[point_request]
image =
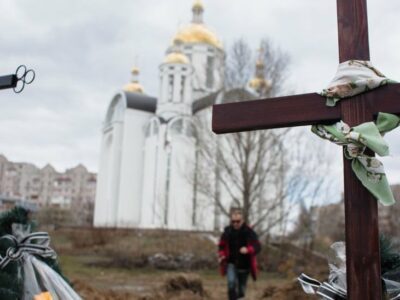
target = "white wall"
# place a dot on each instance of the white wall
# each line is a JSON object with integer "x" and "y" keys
{"x": 150, "y": 176}
{"x": 110, "y": 162}
{"x": 181, "y": 188}
{"x": 198, "y": 54}
{"x": 132, "y": 167}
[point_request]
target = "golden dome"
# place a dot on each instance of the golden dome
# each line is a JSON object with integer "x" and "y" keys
{"x": 260, "y": 84}
{"x": 198, "y": 33}
{"x": 134, "y": 87}
{"x": 176, "y": 58}
{"x": 259, "y": 63}
{"x": 198, "y": 4}
{"x": 135, "y": 71}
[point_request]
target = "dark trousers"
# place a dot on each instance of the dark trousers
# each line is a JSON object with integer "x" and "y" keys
{"x": 237, "y": 281}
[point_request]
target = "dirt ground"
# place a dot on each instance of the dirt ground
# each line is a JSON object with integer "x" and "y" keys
{"x": 94, "y": 283}
{"x": 108, "y": 265}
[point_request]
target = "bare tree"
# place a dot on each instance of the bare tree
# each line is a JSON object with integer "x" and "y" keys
{"x": 261, "y": 172}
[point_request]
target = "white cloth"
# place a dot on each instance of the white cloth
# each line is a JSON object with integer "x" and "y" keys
{"x": 353, "y": 77}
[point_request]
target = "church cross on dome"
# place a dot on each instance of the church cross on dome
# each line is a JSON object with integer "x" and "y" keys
{"x": 134, "y": 86}
{"x": 198, "y": 10}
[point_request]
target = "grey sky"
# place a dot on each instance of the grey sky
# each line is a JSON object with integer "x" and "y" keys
{"x": 83, "y": 51}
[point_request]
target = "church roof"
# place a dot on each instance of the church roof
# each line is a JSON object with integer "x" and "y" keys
{"x": 198, "y": 33}
{"x": 205, "y": 102}
{"x": 141, "y": 102}
{"x": 220, "y": 97}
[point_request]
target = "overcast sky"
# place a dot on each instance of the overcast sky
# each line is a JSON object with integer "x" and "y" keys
{"x": 82, "y": 52}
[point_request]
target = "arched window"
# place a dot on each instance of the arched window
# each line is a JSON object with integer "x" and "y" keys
{"x": 210, "y": 72}
{"x": 115, "y": 111}
{"x": 153, "y": 127}
{"x": 176, "y": 127}
{"x": 181, "y": 126}
{"x": 170, "y": 87}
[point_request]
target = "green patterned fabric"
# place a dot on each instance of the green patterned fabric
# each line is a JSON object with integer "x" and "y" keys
{"x": 369, "y": 170}
{"x": 355, "y": 77}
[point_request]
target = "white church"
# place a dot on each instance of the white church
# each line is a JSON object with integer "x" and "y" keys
{"x": 148, "y": 151}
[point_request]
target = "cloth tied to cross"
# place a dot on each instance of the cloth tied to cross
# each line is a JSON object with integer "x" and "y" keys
{"x": 36, "y": 243}
{"x": 355, "y": 77}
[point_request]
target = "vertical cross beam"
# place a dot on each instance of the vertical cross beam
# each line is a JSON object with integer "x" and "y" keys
{"x": 362, "y": 231}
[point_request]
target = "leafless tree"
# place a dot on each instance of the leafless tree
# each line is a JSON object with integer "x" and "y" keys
{"x": 261, "y": 172}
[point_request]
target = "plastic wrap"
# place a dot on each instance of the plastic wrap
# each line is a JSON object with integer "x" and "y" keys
{"x": 336, "y": 286}
{"x": 40, "y": 278}
{"x": 337, "y": 266}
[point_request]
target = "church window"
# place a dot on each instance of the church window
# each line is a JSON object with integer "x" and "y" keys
{"x": 189, "y": 129}
{"x": 176, "y": 127}
{"x": 170, "y": 87}
{"x": 183, "y": 78}
{"x": 210, "y": 72}
{"x": 152, "y": 127}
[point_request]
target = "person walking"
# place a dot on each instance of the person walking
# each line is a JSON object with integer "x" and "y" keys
{"x": 237, "y": 250}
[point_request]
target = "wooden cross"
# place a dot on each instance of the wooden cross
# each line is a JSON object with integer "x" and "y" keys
{"x": 361, "y": 212}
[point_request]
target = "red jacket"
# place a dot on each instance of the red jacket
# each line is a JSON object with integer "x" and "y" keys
{"x": 253, "y": 247}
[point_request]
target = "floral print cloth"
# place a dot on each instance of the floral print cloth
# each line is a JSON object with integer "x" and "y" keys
{"x": 369, "y": 170}
{"x": 355, "y": 77}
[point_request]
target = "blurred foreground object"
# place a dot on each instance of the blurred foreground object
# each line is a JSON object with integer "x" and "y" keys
{"x": 28, "y": 266}
{"x": 336, "y": 287}
{"x": 18, "y": 80}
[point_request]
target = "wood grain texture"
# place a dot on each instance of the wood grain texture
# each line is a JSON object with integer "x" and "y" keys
{"x": 361, "y": 211}
{"x": 273, "y": 113}
{"x": 298, "y": 110}
{"x": 384, "y": 99}
{"x": 353, "y": 30}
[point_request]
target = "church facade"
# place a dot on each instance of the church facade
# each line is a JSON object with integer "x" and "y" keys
{"x": 148, "y": 152}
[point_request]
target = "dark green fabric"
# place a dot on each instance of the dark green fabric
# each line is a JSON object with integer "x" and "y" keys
{"x": 11, "y": 285}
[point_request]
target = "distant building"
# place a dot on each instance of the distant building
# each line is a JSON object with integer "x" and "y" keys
{"x": 45, "y": 187}
{"x": 144, "y": 174}
{"x": 149, "y": 160}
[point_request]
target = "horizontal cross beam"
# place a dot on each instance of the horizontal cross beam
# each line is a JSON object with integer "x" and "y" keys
{"x": 297, "y": 110}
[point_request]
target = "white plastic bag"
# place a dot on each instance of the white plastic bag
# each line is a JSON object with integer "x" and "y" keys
{"x": 38, "y": 278}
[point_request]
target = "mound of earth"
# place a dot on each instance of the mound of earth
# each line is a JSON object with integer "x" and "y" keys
{"x": 287, "y": 291}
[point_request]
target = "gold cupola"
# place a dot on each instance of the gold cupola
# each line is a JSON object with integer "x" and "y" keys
{"x": 259, "y": 83}
{"x": 196, "y": 31}
{"x": 198, "y": 5}
{"x": 134, "y": 86}
{"x": 175, "y": 54}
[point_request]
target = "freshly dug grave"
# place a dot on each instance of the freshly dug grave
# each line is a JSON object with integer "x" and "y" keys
{"x": 176, "y": 287}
